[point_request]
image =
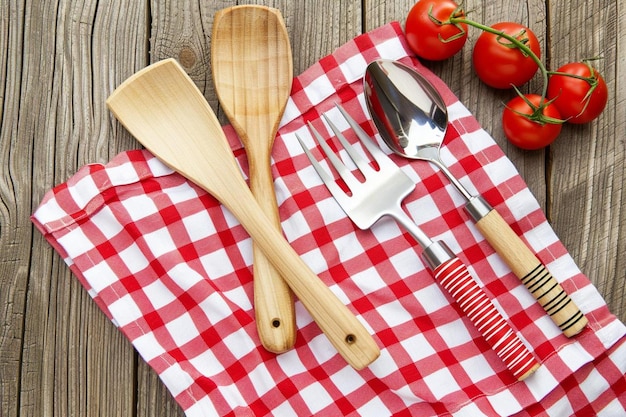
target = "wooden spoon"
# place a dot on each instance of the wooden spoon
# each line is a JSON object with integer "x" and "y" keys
{"x": 252, "y": 71}
{"x": 162, "y": 107}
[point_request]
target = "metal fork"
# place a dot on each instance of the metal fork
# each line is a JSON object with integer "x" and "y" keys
{"x": 381, "y": 194}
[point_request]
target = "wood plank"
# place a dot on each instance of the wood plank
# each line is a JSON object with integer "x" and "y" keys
{"x": 15, "y": 233}
{"x": 72, "y": 357}
{"x": 587, "y": 164}
{"x": 317, "y": 28}
{"x": 152, "y": 397}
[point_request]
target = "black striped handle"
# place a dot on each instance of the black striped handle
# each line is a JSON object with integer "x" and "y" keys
{"x": 525, "y": 265}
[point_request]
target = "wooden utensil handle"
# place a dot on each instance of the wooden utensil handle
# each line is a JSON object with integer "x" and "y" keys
{"x": 343, "y": 329}
{"x": 525, "y": 265}
{"x": 273, "y": 299}
{"x": 273, "y": 306}
{"x": 456, "y": 279}
{"x": 163, "y": 108}
{"x": 252, "y": 69}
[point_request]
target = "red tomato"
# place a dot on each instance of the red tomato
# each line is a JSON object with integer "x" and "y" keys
{"x": 525, "y": 133}
{"x": 571, "y": 94}
{"x": 498, "y": 63}
{"x": 431, "y": 40}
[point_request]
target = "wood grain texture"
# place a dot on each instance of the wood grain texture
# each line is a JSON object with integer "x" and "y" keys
{"x": 164, "y": 95}
{"x": 588, "y": 163}
{"x": 60, "y": 59}
{"x": 252, "y": 72}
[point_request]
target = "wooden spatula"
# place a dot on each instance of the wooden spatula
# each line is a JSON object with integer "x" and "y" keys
{"x": 162, "y": 107}
{"x": 252, "y": 72}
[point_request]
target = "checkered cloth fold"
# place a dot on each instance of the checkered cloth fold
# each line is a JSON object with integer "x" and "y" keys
{"x": 173, "y": 270}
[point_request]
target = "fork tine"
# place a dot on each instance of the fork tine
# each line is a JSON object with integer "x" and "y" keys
{"x": 380, "y": 157}
{"x": 342, "y": 170}
{"x": 360, "y": 162}
{"x": 327, "y": 179}
{"x": 320, "y": 170}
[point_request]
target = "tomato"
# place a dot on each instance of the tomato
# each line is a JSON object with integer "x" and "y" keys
{"x": 525, "y": 133}
{"x": 571, "y": 94}
{"x": 498, "y": 63}
{"x": 432, "y": 40}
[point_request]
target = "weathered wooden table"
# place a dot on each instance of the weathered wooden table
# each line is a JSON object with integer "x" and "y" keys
{"x": 60, "y": 59}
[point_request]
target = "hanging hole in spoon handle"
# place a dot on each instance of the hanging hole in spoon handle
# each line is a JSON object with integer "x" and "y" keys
{"x": 533, "y": 274}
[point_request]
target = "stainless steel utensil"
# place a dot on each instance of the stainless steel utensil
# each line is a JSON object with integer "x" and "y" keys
{"x": 381, "y": 194}
{"x": 412, "y": 119}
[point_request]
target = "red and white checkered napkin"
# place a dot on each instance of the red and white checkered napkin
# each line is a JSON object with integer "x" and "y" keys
{"x": 172, "y": 268}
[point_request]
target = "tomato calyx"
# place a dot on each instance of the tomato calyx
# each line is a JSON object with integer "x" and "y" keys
{"x": 521, "y": 36}
{"x": 429, "y": 32}
{"x": 527, "y": 134}
{"x": 537, "y": 115}
{"x": 456, "y": 13}
{"x": 592, "y": 80}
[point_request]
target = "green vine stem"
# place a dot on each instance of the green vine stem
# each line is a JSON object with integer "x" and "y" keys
{"x": 458, "y": 17}
{"x": 592, "y": 79}
{"x": 537, "y": 115}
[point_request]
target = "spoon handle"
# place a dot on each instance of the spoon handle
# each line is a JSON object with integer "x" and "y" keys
{"x": 533, "y": 274}
{"x": 273, "y": 300}
{"x": 338, "y": 323}
{"x": 252, "y": 71}
{"x": 456, "y": 279}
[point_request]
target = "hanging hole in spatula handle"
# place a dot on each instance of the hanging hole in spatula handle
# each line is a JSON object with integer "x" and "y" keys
{"x": 533, "y": 274}
{"x": 456, "y": 279}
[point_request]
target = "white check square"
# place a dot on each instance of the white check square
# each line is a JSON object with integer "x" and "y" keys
{"x": 182, "y": 329}
{"x": 160, "y": 242}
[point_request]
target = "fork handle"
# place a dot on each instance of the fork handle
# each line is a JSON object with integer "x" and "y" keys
{"x": 456, "y": 279}
{"x": 533, "y": 274}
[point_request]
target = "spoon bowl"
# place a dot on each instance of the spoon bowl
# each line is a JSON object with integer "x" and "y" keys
{"x": 412, "y": 120}
{"x": 408, "y": 111}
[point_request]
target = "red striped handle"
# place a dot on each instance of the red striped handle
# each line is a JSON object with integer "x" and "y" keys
{"x": 456, "y": 279}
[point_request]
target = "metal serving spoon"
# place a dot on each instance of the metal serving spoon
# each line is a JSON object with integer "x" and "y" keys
{"x": 162, "y": 107}
{"x": 252, "y": 72}
{"x": 412, "y": 119}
